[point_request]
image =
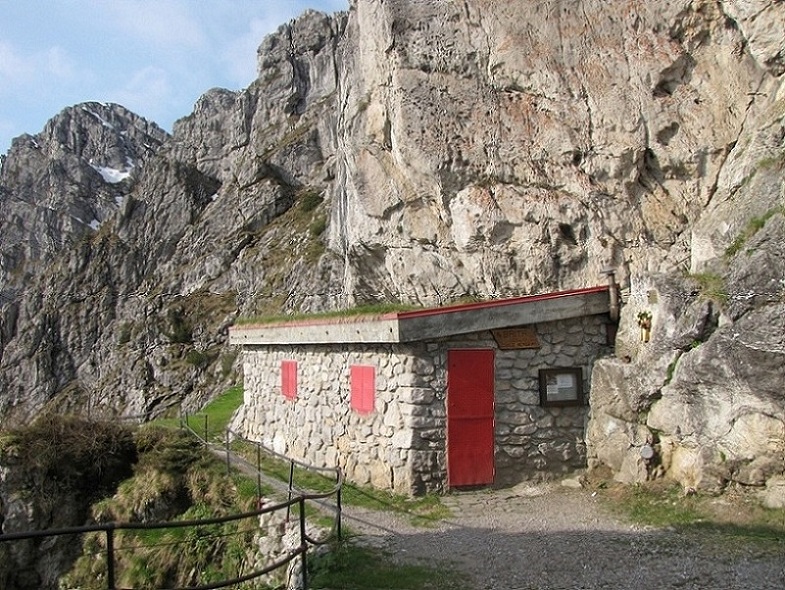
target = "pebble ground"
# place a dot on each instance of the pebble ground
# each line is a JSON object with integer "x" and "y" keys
{"x": 547, "y": 536}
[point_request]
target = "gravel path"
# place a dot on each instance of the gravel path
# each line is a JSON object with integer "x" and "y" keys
{"x": 548, "y": 536}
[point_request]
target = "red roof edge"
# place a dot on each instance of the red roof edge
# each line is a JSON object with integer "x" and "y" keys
{"x": 499, "y": 302}
{"x": 402, "y": 315}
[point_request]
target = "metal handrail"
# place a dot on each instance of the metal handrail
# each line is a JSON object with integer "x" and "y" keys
{"x": 110, "y": 527}
{"x": 337, "y": 490}
{"x": 299, "y": 499}
{"x": 339, "y": 476}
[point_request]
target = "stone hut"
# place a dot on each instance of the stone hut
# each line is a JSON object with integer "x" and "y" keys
{"x": 485, "y": 393}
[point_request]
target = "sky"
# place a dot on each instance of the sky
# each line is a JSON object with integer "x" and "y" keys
{"x": 155, "y": 57}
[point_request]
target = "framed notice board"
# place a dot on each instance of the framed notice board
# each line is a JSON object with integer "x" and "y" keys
{"x": 561, "y": 386}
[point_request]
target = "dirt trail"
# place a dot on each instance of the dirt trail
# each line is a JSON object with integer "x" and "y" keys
{"x": 549, "y": 536}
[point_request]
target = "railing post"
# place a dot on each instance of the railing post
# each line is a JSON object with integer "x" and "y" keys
{"x": 291, "y": 485}
{"x": 205, "y": 428}
{"x": 303, "y": 543}
{"x": 258, "y": 471}
{"x": 110, "y": 557}
{"x": 338, "y": 506}
{"x": 228, "y": 456}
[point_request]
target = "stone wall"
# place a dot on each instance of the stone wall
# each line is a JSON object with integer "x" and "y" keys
{"x": 320, "y": 427}
{"x": 401, "y": 444}
{"x": 533, "y": 441}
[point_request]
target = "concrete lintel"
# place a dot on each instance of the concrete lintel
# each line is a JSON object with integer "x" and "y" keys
{"x": 373, "y": 331}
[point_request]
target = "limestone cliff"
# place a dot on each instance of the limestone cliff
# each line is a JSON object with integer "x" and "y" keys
{"x": 422, "y": 151}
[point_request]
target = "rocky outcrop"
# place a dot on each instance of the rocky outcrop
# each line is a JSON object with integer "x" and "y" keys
{"x": 66, "y": 181}
{"x": 50, "y": 474}
{"x": 417, "y": 151}
{"x": 705, "y": 393}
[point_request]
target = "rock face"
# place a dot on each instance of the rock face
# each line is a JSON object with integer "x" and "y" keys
{"x": 421, "y": 151}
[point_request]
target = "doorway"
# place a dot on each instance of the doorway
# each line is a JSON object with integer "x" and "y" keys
{"x": 470, "y": 417}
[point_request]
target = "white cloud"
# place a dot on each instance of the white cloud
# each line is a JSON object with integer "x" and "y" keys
{"x": 239, "y": 55}
{"x": 7, "y": 128}
{"x": 60, "y": 64}
{"x": 163, "y": 24}
{"x": 19, "y": 71}
{"x": 13, "y": 65}
{"x": 148, "y": 92}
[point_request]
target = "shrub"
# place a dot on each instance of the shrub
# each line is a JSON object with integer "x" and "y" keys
{"x": 167, "y": 450}
{"x": 197, "y": 358}
{"x": 712, "y": 286}
{"x": 179, "y": 329}
{"x": 318, "y": 226}
{"x": 310, "y": 200}
{"x": 227, "y": 363}
{"x": 752, "y": 227}
{"x": 72, "y": 453}
{"x": 124, "y": 333}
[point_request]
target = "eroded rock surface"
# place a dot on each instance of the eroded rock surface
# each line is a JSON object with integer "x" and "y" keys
{"x": 422, "y": 151}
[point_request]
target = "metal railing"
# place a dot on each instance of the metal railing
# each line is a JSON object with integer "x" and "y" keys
{"x": 333, "y": 473}
{"x": 109, "y": 530}
{"x": 296, "y": 497}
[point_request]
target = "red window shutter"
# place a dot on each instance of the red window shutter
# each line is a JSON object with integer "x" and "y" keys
{"x": 363, "y": 388}
{"x": 289, "y": 379}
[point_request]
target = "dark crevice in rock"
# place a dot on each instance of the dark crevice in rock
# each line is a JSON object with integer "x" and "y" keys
{"x": 665, "y": 135}
{"x": 678, "y": 73}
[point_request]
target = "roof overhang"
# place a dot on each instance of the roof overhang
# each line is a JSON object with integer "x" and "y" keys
{"x": 428, "y": 324}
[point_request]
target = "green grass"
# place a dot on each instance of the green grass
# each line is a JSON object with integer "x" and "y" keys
{"x": 732, "y": 521}
{"x": 661, "y": 508}
{"x": 370, "y": 310}
{"x": 221, "y": 409}
{"x": 248, "y": 489}
{"x": 218, "y": 414}
{"x": 348, "y": 567}
{"x": 712, "y": 286}
{"x": 138, "y": 538}
{"x": 752, "y": 227}
{"x": 422, "y": 511}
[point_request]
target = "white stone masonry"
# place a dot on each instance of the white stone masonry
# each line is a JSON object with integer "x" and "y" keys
{"x": 400, "y": 445}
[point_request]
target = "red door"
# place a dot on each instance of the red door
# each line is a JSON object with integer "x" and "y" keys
{"x": 470, "y": 421}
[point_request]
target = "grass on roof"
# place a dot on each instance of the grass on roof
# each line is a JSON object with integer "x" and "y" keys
{"x": 369, "y": 310}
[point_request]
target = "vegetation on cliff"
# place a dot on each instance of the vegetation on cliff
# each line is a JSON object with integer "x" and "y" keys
{"x": 175, "y": 478}
{"x": 68, "y": 471}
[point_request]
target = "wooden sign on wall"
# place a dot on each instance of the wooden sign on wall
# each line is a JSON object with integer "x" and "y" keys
{"x": 512, "y": 338}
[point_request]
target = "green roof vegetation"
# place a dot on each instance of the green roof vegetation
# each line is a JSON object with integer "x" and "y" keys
{"x": 364, "y": 310}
